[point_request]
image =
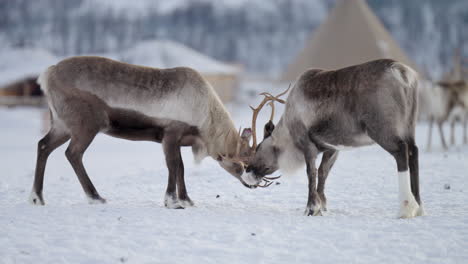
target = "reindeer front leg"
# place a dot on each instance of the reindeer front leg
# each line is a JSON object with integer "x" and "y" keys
{"x": 175, "y": 167}
{"x": 313, "y": 202}
{"x": 300, "y": 135}
{"x": 176, "y": 136}
{"x": 328, "y": 160}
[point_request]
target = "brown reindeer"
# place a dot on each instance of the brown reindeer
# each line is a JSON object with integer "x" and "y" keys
{"x": 175, "y": 107}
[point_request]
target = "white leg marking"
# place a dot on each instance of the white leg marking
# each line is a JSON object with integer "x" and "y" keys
{"x": 34, "y": 199}
{"x": 408, "y": 205}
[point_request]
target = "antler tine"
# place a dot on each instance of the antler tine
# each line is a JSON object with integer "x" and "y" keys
{"x": 238, "y": 145}
{"x": 283, "y": 93}
{"x": 266, "y": 184}
{"x": 267, "y": 94}
{"x": 272, "y": 104}
{"x": 272, "y": 97}
{"x": 226, "y": 147}
{"x": 272, "y": 178}
{"x": 267, "y": 97}
{"x": 254, "y": 120}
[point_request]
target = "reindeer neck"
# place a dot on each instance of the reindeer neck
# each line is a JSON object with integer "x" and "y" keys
{"x": 222, "y": 137}
{"x": 281, "y": 133}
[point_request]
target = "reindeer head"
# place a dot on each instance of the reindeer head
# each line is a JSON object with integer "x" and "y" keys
{"x": 235, "y": 163}
{"x": 264, "y": 158}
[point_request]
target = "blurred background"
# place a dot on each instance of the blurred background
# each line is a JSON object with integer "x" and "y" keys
{"x": 242, "y": 47}
{"x": 262, "y": 36}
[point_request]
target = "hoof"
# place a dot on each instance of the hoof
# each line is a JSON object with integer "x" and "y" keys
{"x": 98, "y": 200}
{"x": 36, "y": 199}
{"x": 171, "y": 202}
{"x": 187, "y": 202}
{"x": 313, "y": 211}
{"x": 408, "y": 209}
{"x": 421, "y": 211}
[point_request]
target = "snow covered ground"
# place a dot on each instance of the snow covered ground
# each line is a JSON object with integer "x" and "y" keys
{"x": 230, "y": 223}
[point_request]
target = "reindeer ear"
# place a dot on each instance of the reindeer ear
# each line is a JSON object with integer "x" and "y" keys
{"x": 269, "y": 127}
{"x": 246, "y": 134}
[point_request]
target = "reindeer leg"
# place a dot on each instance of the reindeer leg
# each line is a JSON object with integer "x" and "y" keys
{"x": 399, "y": 150}
{"x": 465, "y": 134}
{"x": 184, "y": 199}
{"x": 54, "y": 139}
{"x": 74, "y": 153}
{"x": 452, "y": 131}
{"x": 413, "y": 158}
{"x": 175, "y": 167}
{"x": 313, "y": 201}
{"x": 429, "y": 136}
{"x": 442, "y": 137}
{"x": 328, "y": 160}
{"x": 304, "y": 143}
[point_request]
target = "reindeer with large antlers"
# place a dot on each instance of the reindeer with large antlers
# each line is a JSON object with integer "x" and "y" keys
{"x": 175, "y": 107}
{"x": 373, "y": 102}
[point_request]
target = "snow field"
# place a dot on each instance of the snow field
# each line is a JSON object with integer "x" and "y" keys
{"x": 241, "y": 225}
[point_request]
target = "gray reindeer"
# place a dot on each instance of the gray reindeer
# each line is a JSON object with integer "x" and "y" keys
{"x": 175, "y": 107}
{"x": 373, "y": 102}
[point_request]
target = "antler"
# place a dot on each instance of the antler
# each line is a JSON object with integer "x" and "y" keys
{"x": 267, "y": 181}
{"x": 238, "y": 142}
{"x": 268, "y": 97}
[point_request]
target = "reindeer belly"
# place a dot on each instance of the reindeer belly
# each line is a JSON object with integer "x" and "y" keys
{"x": 339, "y": 134}
{"x": 353, "y": 142}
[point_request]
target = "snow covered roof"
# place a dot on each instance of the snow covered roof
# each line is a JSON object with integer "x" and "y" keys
{"x": 169, "y": 54}
{"x": 19, "y": 63}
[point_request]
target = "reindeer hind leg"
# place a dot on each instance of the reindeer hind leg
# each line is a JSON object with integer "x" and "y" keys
{"x": 398, "y": 148}
{"x": 84, "y": 117}
{"x": 413, "y": 158}
{"x": 390, "y": 140}
{"x": 74, "y": 153}
{"x": 56, "y": 137}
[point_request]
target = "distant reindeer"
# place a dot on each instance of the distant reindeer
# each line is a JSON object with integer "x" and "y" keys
{"x": 459, "y": 112}
{"x": 175, "y": 107}
{"x": 373, "y": 102}
{"x": 436, "y": 104}
{"x": 443, "y": 102}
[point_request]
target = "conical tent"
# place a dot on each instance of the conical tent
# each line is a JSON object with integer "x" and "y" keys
{"x": 350, "y": 35}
